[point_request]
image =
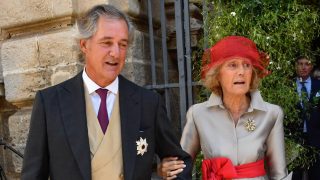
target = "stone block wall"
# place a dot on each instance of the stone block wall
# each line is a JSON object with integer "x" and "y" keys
{"x": 34, "y": 62}
{"x": 37, "y": 50}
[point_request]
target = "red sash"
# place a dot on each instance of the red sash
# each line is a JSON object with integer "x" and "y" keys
{"x": 220, "y": 168}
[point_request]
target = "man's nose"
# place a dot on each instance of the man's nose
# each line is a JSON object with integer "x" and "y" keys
{"x": 114, "y": 51}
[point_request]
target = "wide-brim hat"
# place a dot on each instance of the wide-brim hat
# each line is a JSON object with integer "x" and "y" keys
{"x": 235, "y": 47}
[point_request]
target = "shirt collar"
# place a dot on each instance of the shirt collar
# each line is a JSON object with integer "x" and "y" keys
{"x": 256, "y": 101}
{"x": 92, "y": 86}
{"x": 308, "y": 80}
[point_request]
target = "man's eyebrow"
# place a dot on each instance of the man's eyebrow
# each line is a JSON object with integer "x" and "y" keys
{"x": 109, "y": 38}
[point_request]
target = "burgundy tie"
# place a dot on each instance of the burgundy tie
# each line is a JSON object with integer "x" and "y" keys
{"x": 103, "y": 113}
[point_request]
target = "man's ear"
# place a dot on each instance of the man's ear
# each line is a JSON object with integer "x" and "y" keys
{"x": 83, "y": 45}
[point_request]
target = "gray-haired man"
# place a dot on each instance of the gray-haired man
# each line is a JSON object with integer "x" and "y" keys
{"x": 98, "y": 125}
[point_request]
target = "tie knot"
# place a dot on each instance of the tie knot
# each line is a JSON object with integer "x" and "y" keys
{"x": 102, "y": 93}
{"x": 303, "y": 84}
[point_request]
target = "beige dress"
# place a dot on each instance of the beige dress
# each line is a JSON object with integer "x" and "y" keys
{"x": 210, "y": 128}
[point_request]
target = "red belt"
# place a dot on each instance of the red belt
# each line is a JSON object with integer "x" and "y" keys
{"x": 222, "y": 168}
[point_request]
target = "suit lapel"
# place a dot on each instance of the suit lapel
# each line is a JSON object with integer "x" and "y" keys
{"x": 130, "y": 112}
{"x": 313, "y": 89}
{"x": 73, "y": 112}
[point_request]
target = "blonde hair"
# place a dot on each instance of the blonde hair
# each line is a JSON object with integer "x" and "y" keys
{"x": 211, "y": 81}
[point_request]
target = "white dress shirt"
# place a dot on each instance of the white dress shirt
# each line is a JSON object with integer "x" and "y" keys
{"x": 307, "y": 83}
{"x": 92, "y": 87}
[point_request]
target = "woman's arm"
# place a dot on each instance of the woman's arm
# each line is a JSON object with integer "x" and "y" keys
{"x": 275, "y": 154}
{"x": 190, "y": 140}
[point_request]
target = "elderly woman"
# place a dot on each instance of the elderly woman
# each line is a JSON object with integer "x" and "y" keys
{"x": 241, "y": 136}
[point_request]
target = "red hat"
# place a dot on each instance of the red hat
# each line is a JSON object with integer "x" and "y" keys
{"x": 231, "y": 47}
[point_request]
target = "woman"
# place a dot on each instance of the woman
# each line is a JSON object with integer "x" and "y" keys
{"x": 236, "y": 130}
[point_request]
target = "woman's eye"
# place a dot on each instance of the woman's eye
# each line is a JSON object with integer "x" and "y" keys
{"x": 232, "y": 65}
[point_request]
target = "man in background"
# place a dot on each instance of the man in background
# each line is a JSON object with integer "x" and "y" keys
{"x": 308, "y": 89}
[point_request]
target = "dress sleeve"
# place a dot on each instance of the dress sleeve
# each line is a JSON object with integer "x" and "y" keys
{"x": 276, "y": 149}
{"x": 190, "y": 141}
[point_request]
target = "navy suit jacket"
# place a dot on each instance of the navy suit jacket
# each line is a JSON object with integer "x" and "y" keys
{"x": 313, "y": 124}
{"x": 58, "y": 145}
{"x": 313, "y": 111}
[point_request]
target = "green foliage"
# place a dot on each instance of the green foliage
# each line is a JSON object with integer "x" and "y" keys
{"x": 284, "y": 29}
{"x": 296, "y": 153}
{"x": 197, "y": 166}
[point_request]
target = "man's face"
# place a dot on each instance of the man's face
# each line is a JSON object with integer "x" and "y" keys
{"x": 105, "y": 52}
{"x": 303, "y": 68}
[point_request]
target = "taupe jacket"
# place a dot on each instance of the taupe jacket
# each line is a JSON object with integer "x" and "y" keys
{"x": 210, "y": 128}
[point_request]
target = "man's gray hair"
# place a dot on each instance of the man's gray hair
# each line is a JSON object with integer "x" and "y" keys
{"x": 87, "y": 24}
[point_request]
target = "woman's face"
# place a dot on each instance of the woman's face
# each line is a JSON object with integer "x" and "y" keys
{"x": 235, "y": 76}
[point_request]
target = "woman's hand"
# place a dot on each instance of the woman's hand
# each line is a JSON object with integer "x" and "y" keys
{"x": 170, "y": 167}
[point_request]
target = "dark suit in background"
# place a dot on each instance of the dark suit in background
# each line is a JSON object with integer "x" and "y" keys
{"x": 309, "y": 114}
{"x": 313, "y": 127}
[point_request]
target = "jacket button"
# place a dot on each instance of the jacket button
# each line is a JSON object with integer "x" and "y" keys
{"x": 121, "y": 176}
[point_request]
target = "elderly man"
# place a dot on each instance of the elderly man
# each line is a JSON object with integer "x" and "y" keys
{"x": 98, "y": 125}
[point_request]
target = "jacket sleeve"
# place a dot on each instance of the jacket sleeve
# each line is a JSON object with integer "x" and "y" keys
{"x": 36, "y": 161}
{"x": 276, "y": 149}
{"x": 167, "y": 144}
